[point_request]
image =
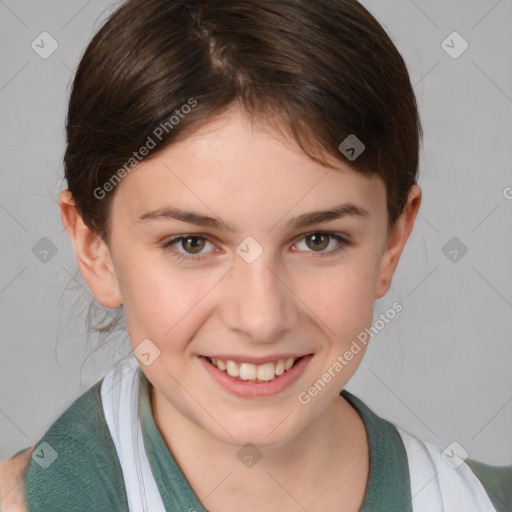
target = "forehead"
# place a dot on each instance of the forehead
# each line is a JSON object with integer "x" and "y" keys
{"x": 237, "y": 167}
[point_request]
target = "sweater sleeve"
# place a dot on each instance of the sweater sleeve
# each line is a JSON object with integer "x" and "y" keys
{"x": 497, "y": 482}
{"x": 75, "y": 465}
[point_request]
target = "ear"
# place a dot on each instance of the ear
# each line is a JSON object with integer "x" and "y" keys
{"x": 396, "y": 240}
{"x": 92, "y": 254}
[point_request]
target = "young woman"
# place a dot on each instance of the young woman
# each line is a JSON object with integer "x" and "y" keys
{"x": 242, "y": 180}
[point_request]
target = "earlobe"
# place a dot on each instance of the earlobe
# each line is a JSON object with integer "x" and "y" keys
{"x": 92, "y": 254}
{"x": 396, "y": 241}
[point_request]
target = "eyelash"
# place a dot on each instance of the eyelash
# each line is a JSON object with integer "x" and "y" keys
{"x": 342, "y": 240}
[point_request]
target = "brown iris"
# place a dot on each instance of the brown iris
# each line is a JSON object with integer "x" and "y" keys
{"x": 317, "y": 236}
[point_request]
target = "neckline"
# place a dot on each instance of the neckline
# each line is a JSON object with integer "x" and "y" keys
{"x": 388, "y": 486}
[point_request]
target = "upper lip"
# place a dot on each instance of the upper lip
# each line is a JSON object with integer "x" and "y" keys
{"x": 256, "y": 360}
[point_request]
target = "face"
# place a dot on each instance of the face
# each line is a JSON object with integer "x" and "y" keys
{"x": 255, "y": 283}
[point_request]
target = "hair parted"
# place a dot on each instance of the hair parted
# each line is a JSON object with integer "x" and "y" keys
{"x": 320, "y": 71}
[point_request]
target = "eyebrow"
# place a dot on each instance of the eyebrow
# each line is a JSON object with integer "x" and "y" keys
{"x": 306, "y": 219}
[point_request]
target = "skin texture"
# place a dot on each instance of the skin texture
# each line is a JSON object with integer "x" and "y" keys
{"x": 11, "y": 482}
{"x": 291, "y": 299}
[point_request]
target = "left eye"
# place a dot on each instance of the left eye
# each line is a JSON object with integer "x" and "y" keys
{"x": 194, "y": 244}
{"x": 321, "y": 241}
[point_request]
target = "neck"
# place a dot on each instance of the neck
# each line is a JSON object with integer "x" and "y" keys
{"x": 326, "y": 450}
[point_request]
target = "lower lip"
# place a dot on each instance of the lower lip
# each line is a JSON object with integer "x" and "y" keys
{"x": 248, "y": 389}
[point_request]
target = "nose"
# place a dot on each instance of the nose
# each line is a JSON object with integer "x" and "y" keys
{"x": 257, "y": 303}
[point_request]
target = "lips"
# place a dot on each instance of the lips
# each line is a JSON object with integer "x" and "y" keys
{"x": 255, "y": 388}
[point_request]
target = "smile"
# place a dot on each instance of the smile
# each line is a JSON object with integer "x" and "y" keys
{"x": 249, "y": 380}
{"x": 252, "y": 372}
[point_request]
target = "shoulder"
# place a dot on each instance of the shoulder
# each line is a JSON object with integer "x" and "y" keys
{"x": 75, "y": 465}
{"x": 445, "y": 474}
{"x": 12, "y": 493}
{"x": 497, "y": 481}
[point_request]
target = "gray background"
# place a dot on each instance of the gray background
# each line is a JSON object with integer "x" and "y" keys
{"x": 440, "y": 369}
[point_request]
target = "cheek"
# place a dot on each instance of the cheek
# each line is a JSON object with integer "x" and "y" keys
{"x": 162, "y": 306}
{"x": 343, "y": 299}
{"x": 345, "y": 311}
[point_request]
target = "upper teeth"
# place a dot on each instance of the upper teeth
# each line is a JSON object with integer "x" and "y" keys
{"x": 248, "y": 371}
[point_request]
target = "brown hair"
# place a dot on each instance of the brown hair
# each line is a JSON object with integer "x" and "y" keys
{"x": 317, "y": 70}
